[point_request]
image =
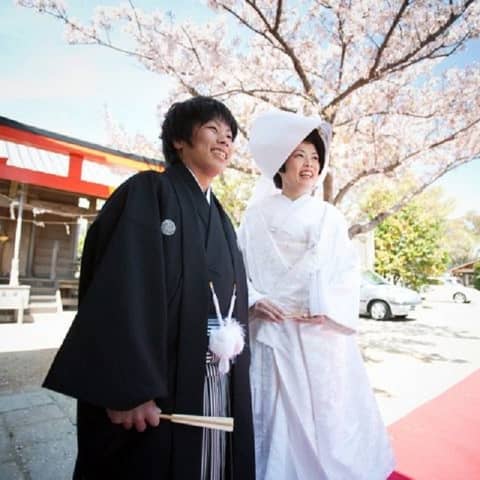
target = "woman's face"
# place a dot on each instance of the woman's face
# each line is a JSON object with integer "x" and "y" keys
{"x": 301, "y": 171}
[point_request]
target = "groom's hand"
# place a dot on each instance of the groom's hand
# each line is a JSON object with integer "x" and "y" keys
{"x": 139, "y": 417}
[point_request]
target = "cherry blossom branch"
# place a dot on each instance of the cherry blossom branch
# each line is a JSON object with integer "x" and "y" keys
{"x": 361, "y": 175}
{"x": 395, "y": 165}
{"x": 60, "y": 15}
{"x": 432, "y": 55}
{"x": 343, "y": 52}
{"x": 192, "y": 47}
{"x": 137, "y": 21}
{"x": 402, "y": 63}
{"x": 273, "y": 30}
{"x": 388, "y": 36}
{"x": 429, "y": 39}
{"x": 246, "y": 23}
{"x": 450, "y": 138}
{"x": 359, "y": 228}
{"x": 278, "y": 16}
{"x": 258, "y": 93}
{"x": 378, "y": 113}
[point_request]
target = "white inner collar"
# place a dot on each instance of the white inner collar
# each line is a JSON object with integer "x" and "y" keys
{"x": 209, "y": 189}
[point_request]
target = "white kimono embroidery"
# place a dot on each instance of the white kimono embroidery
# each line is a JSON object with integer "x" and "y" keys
{"x": 315, "y": 415}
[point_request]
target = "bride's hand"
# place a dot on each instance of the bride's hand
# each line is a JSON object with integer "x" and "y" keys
{"x": 266, "y": 310}
{"x": 313, "y": 319}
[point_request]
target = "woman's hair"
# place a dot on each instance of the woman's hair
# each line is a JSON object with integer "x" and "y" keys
{"x": 316, "y": 140}
{"x": 183, "y": 116}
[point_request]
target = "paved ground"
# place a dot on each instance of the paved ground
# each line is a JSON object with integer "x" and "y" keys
{"x": 408, "y": 361}
{"x": 37, "y": 436}
{"x": 37, "y": 427}
{"x": 411, "y": 361}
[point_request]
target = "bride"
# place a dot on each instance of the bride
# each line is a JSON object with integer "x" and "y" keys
{"x": 315, "y": 415}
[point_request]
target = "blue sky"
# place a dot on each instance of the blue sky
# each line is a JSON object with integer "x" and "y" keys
{"x": 49, "y": 84}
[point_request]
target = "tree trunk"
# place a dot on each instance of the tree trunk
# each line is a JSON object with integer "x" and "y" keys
{"x": 328, "y": 188}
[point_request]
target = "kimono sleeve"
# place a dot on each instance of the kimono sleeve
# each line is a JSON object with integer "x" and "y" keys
{"x": 335, "y": 288}
{"x": 253, "y": 294}
{"x": 115, "y": 353}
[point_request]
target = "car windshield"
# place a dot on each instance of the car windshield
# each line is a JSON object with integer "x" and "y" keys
{"x": 373, "y": 278}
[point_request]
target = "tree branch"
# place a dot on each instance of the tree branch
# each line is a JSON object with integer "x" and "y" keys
{"x": 393, "y": 166}
{"x": 358, "y": 228}
{"x": 344, "y": 45}
{"x": 445, "y": 140}
{"x": 278, "y": 16}
{"x": 246, "y": 24}
{"x": 402, "y": 63}
{"x": 274, "y": 32}
{"x": 429, "y": 39}
{"x": 385, "y": 113}
{"x": 192, "y": 47}
{"x": 363, "y": 174}
{"x": 137, "y": 21}
{"x": 94, "y": 37}
{"x": 254, "y": 91}
{"x": 389, "y": 34}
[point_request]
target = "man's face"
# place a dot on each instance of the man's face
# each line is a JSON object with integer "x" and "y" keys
{"x": 210, "y": 150}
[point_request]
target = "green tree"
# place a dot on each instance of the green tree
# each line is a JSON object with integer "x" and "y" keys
{"x": 233, "y": 189}
{"x": 409, "y": 245}
{"x": 460, "y": 241}
{"x": 476, "y": 276}
{"x": 473, "y": 220}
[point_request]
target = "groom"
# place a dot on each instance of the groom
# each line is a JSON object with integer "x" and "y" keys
{"x": 139, "y": 341}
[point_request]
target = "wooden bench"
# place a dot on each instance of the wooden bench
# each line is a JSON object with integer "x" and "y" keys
{"x": 15, "y": 298}
{"x": 68, "y": 292}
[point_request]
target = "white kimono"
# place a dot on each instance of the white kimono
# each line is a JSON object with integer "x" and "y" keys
{"x": 315, "y": 415}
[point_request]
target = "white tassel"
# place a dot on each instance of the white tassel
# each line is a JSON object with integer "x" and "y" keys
{"x": 228, "y": 340}
{"x": 226, "y": 343}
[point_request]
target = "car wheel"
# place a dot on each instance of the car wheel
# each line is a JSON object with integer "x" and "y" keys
{"x": 459, "y": 298}
{"x": 379, "y": 310}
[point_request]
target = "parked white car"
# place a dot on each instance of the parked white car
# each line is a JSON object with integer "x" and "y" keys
{"x": 382, "y": 300}
{"x": 447, "y": 288}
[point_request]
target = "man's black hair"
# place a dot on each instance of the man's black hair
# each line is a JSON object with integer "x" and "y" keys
{"x": 183, "y": 116}
{"x": 316, "y": 140}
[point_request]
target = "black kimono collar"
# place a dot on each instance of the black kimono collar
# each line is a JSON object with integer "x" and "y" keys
{"x": 201, "y": 204}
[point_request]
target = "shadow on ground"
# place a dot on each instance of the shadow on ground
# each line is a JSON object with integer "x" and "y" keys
{"x": 408, "y": 337}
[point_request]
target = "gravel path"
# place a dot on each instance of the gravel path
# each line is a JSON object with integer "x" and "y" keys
{"x": 27, "y": 350}
{"x": 20, "y": 370}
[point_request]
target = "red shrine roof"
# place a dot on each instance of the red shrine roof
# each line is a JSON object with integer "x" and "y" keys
{"x": 38, "y": 157}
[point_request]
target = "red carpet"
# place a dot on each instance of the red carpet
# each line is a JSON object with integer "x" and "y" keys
{"x": 440, "y": 440}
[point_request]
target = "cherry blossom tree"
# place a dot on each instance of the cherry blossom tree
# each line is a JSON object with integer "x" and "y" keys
{"x": 120, "y": 139}
{"x": 376, "y": 69}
